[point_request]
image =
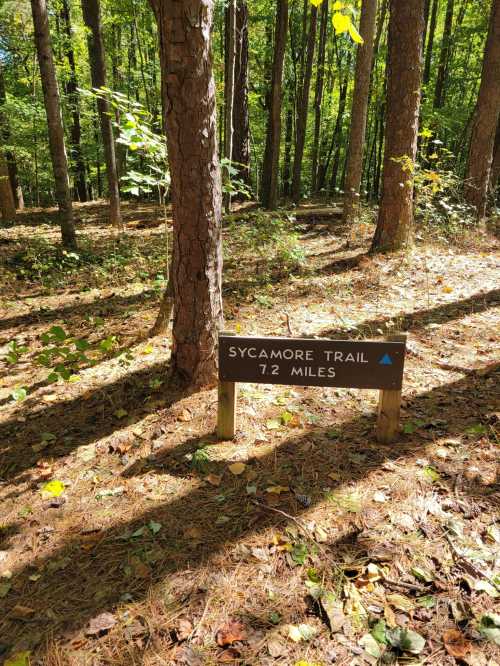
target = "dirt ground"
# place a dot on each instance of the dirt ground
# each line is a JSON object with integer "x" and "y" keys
{"x": 153, "y": 546}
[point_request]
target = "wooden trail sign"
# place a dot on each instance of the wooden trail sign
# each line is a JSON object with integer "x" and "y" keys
{"x": 310, "y": 362}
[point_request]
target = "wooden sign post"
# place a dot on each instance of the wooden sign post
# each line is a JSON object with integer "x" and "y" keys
{"x": 310, "y": 362}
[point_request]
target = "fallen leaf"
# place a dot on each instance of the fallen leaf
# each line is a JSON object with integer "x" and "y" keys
{"x": 213, "y": 479}
{"x": 230, "y": 633}
{"x": 333, "y": 609}
{"x": 237, "y": 468}
{"x": 380, "y": 497}
{"x": 53, "y": 488}
{"x": 185, "y": 416}
{"x": 276, "y": 648}
{"x": 20, "y": 612}
{"x": 4, "y": 589}
{"x": 302, "y": 632}
{"x": 406, "y": 640}
{"x": 19, "y": 659}
{"x": 100, "y": 625}
{"x": 489, "y": 627}
{"x": 183, "y": 629}
{"x": 277, "y": 490}
{"x": 455, "y": 643}
{"x": 371, "y": 646}
{"x": 229, "y": 656}
{"x": 400, "y": 602}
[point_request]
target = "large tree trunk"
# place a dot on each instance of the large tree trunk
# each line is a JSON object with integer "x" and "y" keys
{"x": 241, "y": 124}
{"x": 5, "y": 138}
{"x": 74, "y": 102}
{"x": 404, "y": 73}
{"x": 485, "y": 119}
{"x": 7, "y": 203}
{"x": 54, "y": 121}
{"x": 444, "y": 56}
{"x": 495, "y": 164}
{"x": 318, "y": 95}
{"x": 270, "y": 169}
{"x": 189, "y": 107}
{"x": 92, "y": 18}
{"x": 359, "y": 110}
{"x": 303, "y": 109}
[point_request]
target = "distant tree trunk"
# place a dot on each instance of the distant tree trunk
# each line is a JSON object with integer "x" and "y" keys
{"x": 359, "y": 110}
{"x": 7, "y": 202}
{"x": 287, "y": 159}
{"x": 444, "y": 57}
{"x": 189, "y": 108}
{"x": 270, "y": 169}
{"x": 241, "y": 124}
{"x": 5, "y": 138}
{"x": 230, "y": 57}
{"x": 404, "y": 73}
{"x": 303, "y": 108}
{"x": 430, "y": 42}
{"x": 485, "y": 119}
{"x": 74, "y": 103}
{"x": 318, "y": 95}
{"x": 54, "y": 121}
{"x": 92, "y": 18}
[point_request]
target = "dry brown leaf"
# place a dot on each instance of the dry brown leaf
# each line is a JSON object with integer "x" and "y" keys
{"x": 229, "y": 656}
{"x": 185, "y": 416}
{"x": 237, "y": 468}
{"x": 183, "y": 629}
{"x": 101, "y": 624}
{"x": 20, "y": 612}
{"x": 455, "y": 643}
{"x": 141, "y": 570}
{"x": 230, "y": 633}
{"x": 213, "y": 479}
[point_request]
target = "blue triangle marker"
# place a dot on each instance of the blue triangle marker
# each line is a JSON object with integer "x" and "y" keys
{"x": 385, "y": 360}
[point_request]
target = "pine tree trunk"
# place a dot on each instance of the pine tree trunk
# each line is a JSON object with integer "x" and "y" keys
{"x": 430, "y": 42}
{"x": 404, "y": 72}
{"x": 5, "y": 138}
{"x": 7, "y": 203}
{"x": 92, "y": 18}
{"x": 444, "y": 57}
{"x": 485, "y": 119}
{"x": 270, "y": 169}
{"x": 241, "y": 124}
{"x": 74, "y": 103}
{"x": 189, "y": 108}
{"x": 359, "y": 110}
{"x": 54, "y": 121}
{"x": 318, "y": 95}
{"x": 495, "y": 164}
{"x": 230, "y": 57}
{"x": 303, "y": 109}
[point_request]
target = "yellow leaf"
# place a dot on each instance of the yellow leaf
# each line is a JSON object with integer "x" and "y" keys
{"x": 277, "y": 490}
{"x": 237, "y": 328}
{"x": 355, "y": 36}
{"x": 447, "y": 290}
{"x": 237, "y": 468}
{"x": 316, "y": 3}
{"x": 341, "y": 22}
{"x": 53, "y": 488}
{"x": 19, "y": 659}
{"x": 337, "y": 6}
{"x": 148, "y": 349}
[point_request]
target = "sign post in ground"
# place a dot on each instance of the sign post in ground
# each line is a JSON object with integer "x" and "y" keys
{"x": 311, "y": 362}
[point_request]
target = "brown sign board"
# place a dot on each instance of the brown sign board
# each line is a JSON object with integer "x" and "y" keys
{"x": 312, "y": 362}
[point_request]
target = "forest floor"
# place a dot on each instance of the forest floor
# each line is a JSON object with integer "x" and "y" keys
{"x": 129, "y": 535}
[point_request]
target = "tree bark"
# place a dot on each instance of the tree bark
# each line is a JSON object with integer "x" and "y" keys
{"x": 318, "y": 95}
{"x": 303, "y": 109}
{"x": 189, "y": 108}
{"x": 241, "y": 124}
{"x": 74, "y": 103}
{"x": 495, "y": 164}
{"x": 444, "y": 57}
{"x": 5, "y": 138}
{"x": 270, "y": 169}
{"x": 7, "y": 203}
{"x": 404, "y": 74}
{"x": 54, "y": 121}
{"x": 92, "y": 18}
{"x": 485, "y": 119}
{"x": 359, "y": 110}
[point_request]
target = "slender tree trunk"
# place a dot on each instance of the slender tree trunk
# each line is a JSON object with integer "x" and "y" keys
{"x": 304, "y": 108}
{"x": 5, "y": 138}
{"x": 444, "y": 57}
{"x": 485, "y": 119}
{"x": 230, "y": 53}
{"x": 7, "y": 202}
{"x": 54, "y": 121}
{"x": 74, "y": 103}
{"x": 241, "y": 124}
{"x": 270, "y": 169}
{"x": 287, "y": 158}
{"x": 189, "y": 108}
{"x": 430, "y": 42}
{"x": 404, "y": 74}
{"x": 359, "y": 110}
{"x": 92, "y": 18}
{"x": 318, "y": 95}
